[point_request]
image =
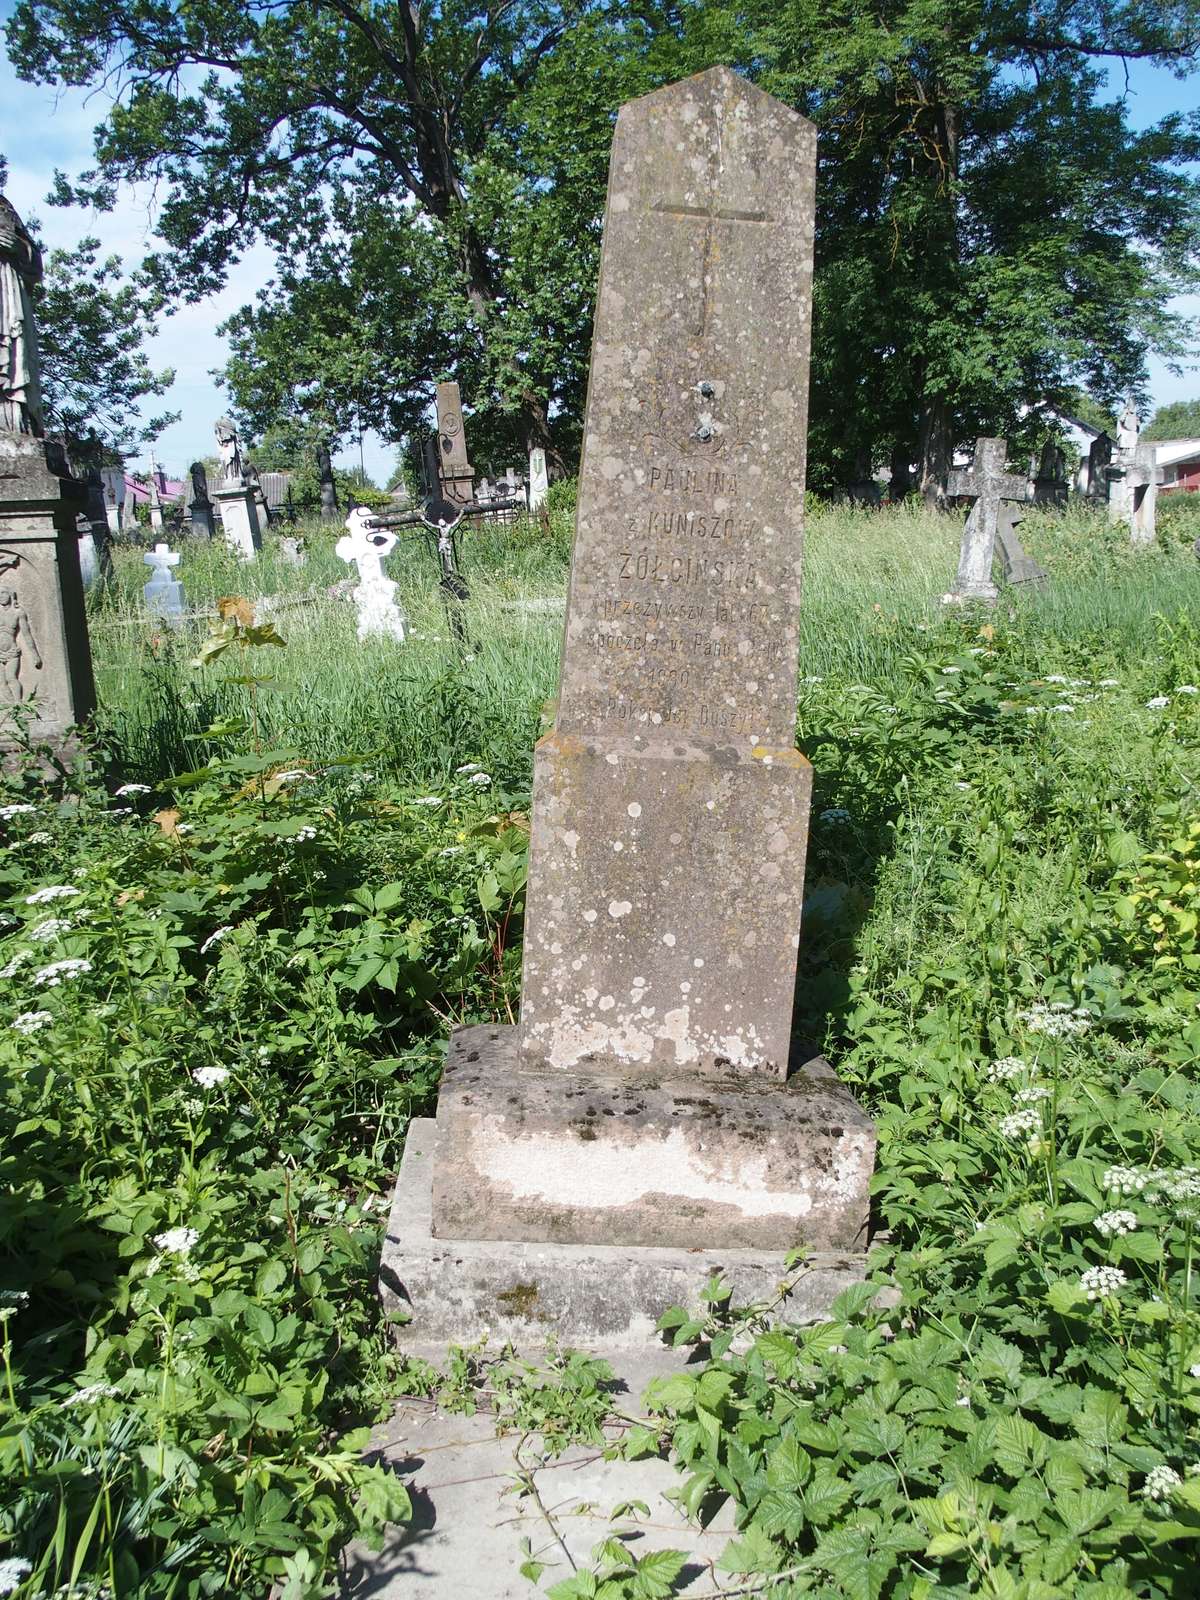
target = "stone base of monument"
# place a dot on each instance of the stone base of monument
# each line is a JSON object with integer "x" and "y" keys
{"x": 544, "y": 1203}
{"x": 239, "y": 520}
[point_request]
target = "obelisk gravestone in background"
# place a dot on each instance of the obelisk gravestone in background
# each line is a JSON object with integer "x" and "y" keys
{"x": 456, "y": 472}
{"x": 671, "y": 806}
{"x": 640, "y": 1102}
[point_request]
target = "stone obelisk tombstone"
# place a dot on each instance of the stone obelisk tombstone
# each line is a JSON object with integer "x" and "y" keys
{"x": 456, "y": 472}
{"x": 1133, "y": 480}
{"x": 45, "y": 657}
{"x": 640, "y": 1128}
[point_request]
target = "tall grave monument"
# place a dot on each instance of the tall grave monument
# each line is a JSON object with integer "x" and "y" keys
{"x": 650, "y": 1120}
{"x": 1133, "y": 479}
{"x": 455, "y": 471}
{"x": 45, "y": 658}
{"x": 235, "y": 496}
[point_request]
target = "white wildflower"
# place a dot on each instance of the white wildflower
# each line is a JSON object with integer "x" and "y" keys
{"x": 214, "y": 938}
{"x": 31, "y": 1021}
{"x": 50, "y": 928}
{"x": 1063, "y": 707}
{"x": 1116, "y": 1223}
{"x": 834, "y": 814}
{"x": 90, "y": 1394}
{"x": 1157, "y": 703}
{"x": 467, "y": 766}
{"x": 1031, "y": 1096}
{"x": 119, "y": 811}
{"x": 1019, "y": 1124}
{"x": 1124, "y": 1180}
{"x": 14, "y": 964}
{"x": 294, "y": 776}
{"x": 451, "y": 850}
{"x": 40, "y": 838}
{"x": 210, "y": 1077}
{"x": 132, "y": 788}
{"x": 12, "y": 1570}
{"x": 948, "y": 672}
{"x": 14, "y": 1297}
{"x": 176, "y": 1241}
{"x": 302, "y": 836}
{"x": 1098, "y": 1282}
{"x": 193, "y": 1107}
{"x": 53, "y": 891}
{"x": 481, "y": 780}
{"x": 1056, "y": 1020}
{"x": 428, "y": 800}
{"x": 1182, "y": 1183}
{"x": 1194, "y": 1370}
{"x": 1054, "y": 677}
{"x": 1109, "y": 683}
{"x": 1161, "y": 1483}
{"x": 50, "y": 977}
{"x": 1007, "y": 1068}
{"x": 16, "y": 811}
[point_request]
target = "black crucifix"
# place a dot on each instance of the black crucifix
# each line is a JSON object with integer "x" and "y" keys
{"x": 440, "y": 516}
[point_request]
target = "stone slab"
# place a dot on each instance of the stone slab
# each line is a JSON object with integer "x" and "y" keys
{"x": 593, "y": 1295}
{"x": 239, "y": 520}
{"x": 466, "y": 1537}
{"x": 45, "y": 655}
{"x": 664, "y": 901}
{"x": 643, "y": 1160}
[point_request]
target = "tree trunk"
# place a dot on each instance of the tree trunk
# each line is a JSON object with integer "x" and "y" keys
{"x": 934, "y": 446}
{"x": 329, "y": 505}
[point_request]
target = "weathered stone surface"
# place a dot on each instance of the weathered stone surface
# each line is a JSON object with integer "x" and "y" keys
{"x": 45, "y": 656}
{"x": 610, "y": 1294}
{"x": 239, "y": 519}
{"x": 455, "y": 471}
{"x": 681, "y": 636}
{"x": 586, "y": 1158}
{"x": 685, "y": 579}
{"x": 669, "y": 881}
{"x": 987, "y": 484}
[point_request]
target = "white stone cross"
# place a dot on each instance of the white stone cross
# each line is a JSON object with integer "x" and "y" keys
{"x": 163, "y": 593}
{"x": 364, "y": 545}
{"x": 987, "y": 483}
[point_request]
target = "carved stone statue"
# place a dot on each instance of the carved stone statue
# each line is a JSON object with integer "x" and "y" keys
{"x": 230, "y": 450}
{"x": 20, "y": 387}
{"x": 16, "y": 635}
{"x": 199, "y": 484}
{"x": 1128, "y": 427}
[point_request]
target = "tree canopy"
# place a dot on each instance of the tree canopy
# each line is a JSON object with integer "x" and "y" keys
{"x": 1180, "y": 420}
{"x": 992, "y": 236}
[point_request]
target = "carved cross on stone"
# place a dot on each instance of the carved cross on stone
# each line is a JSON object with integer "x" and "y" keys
{"x": 988, "y": 484}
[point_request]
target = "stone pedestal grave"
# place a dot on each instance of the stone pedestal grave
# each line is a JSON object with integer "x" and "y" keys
{"x": 1133, "y": 478}
{"x": 163, "y": 594}
{"x": 991, "y": 523}
{"x": 239, "y": 519}
{"x": 651, "y": 1121}
{"x": 45, "y": 657}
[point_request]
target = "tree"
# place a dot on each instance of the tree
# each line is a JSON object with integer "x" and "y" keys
{"x": 359, "y": 139}
{"x": 1180, "y": 420}
{"x": 991, "y": 234}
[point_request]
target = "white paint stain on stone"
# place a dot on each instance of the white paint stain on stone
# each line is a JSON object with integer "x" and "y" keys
{"x": 619, "y": 908}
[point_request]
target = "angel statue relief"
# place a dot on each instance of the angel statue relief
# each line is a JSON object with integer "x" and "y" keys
{"x": 20, "y": 269}
{"x": 229, "y": 448}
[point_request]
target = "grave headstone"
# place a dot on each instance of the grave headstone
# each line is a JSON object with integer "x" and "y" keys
{"x": 235, "y": 499}
{"x": 638, "y": 1125}
{"x": 539, "y": 481}
{"x": 200, "y": 508}
{"x": 1100, "y": 453}
{"x": 163, "y": 593}
{"x": 45, "y": 657}
{"x": 988, "y": 485}
{"x": 1133, "y": 479}
{"x": 456, "y": 473}
{"x": 291, "y": 551}
{"x": 97, "y": 516}
{"x": 113, "y": 479}
{"x": 329, "y": 502}
{"x": 155, "y": 501}
{"x": 364, "y": 545}
{"x": 1050, "y": 486}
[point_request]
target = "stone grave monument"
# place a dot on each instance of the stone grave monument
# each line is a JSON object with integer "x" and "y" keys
{"x": 651, "y": 1120}
{"x": 539, "y": 481}
{"x": 163, "y": 593}
{"x": 989, "y": 486}
{"x": 155, "y": 499}
{"x": 455, "y": 471}
{"x": 1133, "y": 479}
{"x": 364, "y": 545}
{"x": 98, "y": 526}
{"x": 1049, "y": 477}
{"x": 45, "y": 657}
{"x": 234, "y": 496}
{"x": 201, "y": 507}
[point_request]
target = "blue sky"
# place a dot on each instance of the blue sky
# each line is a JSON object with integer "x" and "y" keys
{"x": 41, "y": 129}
